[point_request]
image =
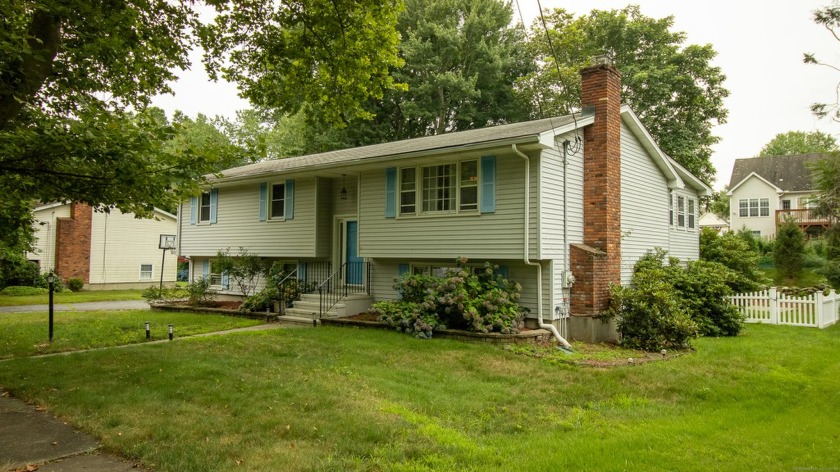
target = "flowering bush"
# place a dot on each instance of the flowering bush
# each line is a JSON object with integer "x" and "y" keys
{"x": 477, "y": 300}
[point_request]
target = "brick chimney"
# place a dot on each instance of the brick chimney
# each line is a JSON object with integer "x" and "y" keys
{"x": 72, "y": 243}
{"x": 597, "y": 262}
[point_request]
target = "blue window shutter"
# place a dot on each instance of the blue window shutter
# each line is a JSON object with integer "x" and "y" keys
{"x": 214, "y": 205}
{"x": 302, "y": 271}
{"x": 193, "y": 210}
{"x": 225, "y": 280}
{"x": 488, "y": 184}
{"x": 503, "y": 271}
{"x": 289, "y": 204}
{"x": 391, "y": 192}
{"x": 263, "y": 201}
{"x": 205, "y": 268}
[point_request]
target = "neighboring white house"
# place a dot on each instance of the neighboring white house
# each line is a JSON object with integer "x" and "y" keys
{"x": 766, "y": 190}
{"x": 583, "y": 195}
{"x": 711, "y": 220}
{"x": 105, "y": 250}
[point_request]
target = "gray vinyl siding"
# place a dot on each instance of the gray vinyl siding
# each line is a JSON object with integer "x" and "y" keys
{"x": 238, "y": 224}
{"x": 685, "y": 242}
{"x": 496, "y": 235}
{"x": 551, "y": 200}
{"x": 644, "y": 204}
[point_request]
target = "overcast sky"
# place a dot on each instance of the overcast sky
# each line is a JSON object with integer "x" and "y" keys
{"x": 759, "y": 44}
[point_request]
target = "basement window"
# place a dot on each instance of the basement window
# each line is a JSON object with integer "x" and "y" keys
{"x": 146, "y": 271}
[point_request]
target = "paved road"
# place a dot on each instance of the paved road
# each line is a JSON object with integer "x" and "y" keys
{"x": 88, "y": 306}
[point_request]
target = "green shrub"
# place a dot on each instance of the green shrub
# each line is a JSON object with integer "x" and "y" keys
{"x": 23, "y": 291}
{"x": 16, "y": 270}
{"x": 262, "y": 300}
{"x": 703, "y": 287}
{"x": 476, "y": 300}
{"x": 649, "y": 312}
{"x": 407, "y": 317}
{"x": 790, "y": 247}
{"x": 75, "y": 284}
{"x": 199, "y": 292}
{"x": 733, "y": 251}
{"x": 649, "y": 315}
{"x": 155, "y": 293}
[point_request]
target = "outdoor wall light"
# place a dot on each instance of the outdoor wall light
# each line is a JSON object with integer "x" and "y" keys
{"x": 344, "y": 186}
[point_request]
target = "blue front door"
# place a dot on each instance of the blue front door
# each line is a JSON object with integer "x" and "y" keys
{"x": 355, "y": 267}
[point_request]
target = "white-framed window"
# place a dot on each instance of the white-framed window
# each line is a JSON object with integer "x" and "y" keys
{"x": 437, "y": 269}
{"x": 681, "y": 211}
{"x": 756, "y": 233}
{"x": 446, "y": 188}
{"x": 753, "y": 207}
{"x": 786, "y": 204}
{"x": 691, "y": 213}
{"x": 277, "y": 202}
{"x": 670, "y": 210}
{"x": 204, "y": 207}
{"x": 408, "y": 190}
{"x": 146, "y": 271}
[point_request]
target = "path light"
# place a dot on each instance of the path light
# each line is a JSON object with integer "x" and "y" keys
{"x": 171, "y": 332}
{"x": 148, "y": 332}
{"x": 663, "y": 352}
{"x": 51, "y": 281}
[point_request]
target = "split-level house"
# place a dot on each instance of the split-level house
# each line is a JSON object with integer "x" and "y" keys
{"x": 764, "y": 191}
{"x": 105, "y": 250}
{"x": 564, "y": 205}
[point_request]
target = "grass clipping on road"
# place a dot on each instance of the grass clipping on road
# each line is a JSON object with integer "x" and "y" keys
{"x": 351, "y": 399}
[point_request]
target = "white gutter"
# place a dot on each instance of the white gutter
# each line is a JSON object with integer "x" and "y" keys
{"x": 527, "y": 259}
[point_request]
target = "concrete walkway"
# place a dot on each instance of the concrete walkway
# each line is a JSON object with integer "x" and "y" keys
{"x": 86, "y": 306}
{"x": 32, "y": 437}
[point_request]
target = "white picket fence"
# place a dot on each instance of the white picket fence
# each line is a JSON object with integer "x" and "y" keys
{"x": 770, "y": 306}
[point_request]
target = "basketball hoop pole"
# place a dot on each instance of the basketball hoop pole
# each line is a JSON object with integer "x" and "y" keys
{"x": 167, "y": 241}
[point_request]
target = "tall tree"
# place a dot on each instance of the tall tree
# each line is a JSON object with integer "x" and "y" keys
{"x": 69, "y": 70}
{"x": 674, "y": 88}
{"x": 789, "y": 249}
{"x": 829, "y": 18}
{"x": 827, "y": 205}
{"x": 799, "y": 142}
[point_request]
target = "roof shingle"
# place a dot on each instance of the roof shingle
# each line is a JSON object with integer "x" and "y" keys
{"x": 789, "y": 173}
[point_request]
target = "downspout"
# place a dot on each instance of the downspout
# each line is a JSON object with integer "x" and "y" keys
{"x": 566, "y": 259}
{"x": 527, "y": 259}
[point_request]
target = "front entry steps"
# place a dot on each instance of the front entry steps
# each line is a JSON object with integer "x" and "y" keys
{"x": 306, "y": 309}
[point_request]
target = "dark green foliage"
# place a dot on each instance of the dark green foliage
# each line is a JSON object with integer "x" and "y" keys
{"x": 199, "y": 292}
{"x": 799, "y": 142}
{"x": 16, "y": 270}
{"x": 668, "y": 302}
{"x": 463, "y": 299}
{"x": 789, "y": 248}
{"x": 649, "y": 315}
{"x": 154, "y": 293}
{"x": 738, "y": 252}
{"x": 703, "y": 287}
{"x": 75, "y": 284}
{"x": 262, "y": 300}
{"x": 23, "y": 291}
{"x": 674, "y": 87}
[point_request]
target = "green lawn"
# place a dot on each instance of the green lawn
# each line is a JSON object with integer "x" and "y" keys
{"x": 67, "y": 296}
{"x": 349, "y": 399}
{"x": 26, "y": 334}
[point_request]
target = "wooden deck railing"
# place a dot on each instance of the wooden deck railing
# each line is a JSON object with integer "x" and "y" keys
{"x": 804, "y": 216}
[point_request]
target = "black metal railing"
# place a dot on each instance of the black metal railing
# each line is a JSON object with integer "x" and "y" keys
{"x": 306, "y": 277}
{"x": 350, "y": 278}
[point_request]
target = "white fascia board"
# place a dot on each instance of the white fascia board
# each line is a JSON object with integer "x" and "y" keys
{"x": 165, "y": 213}
{"x": 662, "y": 161}
{"x": 691, "y": 179}
{"x": 48, "y": 206}
{"x": 753, "y": 174}
{"x": 547, "y": 138}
